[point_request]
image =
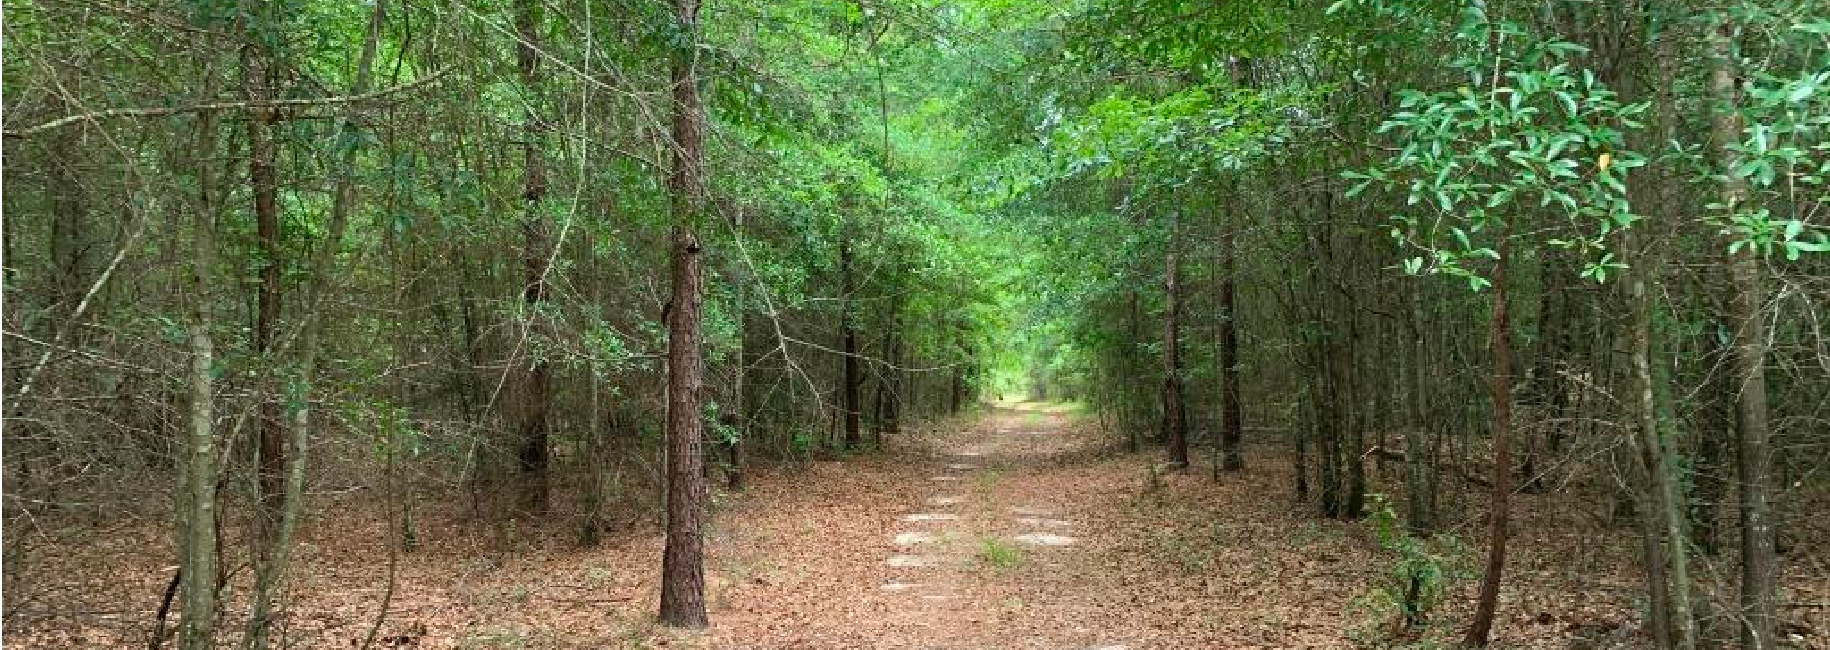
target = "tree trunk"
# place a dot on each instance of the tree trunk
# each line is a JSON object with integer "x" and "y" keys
{"x": 272, "y": 577}
{"x": 1134, "y": 422}
{"x": 534, "y": 397}
{"x": 199, "y": 514}
{"x": 1352, "y": 420}
{"x": 263, "y": 184}
{"x": 1668, "y": 573}
{"x": 683, "y": 563}
{"x": 1418, "y": 517}
{"x": 1175, "y": 416}
{"x": 1231, "y": 421}
{"x": 72, "y": 246}
{"x": 892, "y": 374}
{"x": 1715, "y": 428}
{"x": 1300, "y": 462}
{"x": 197, "y": 500}
{"x": 1754, "y": 453}
{"x": 1323, "y": 405}
{"x": 1501, "y": 333}
{"x": 853, "y": 378}
{"x": 740, "y": 398}
{"x": 957, "y": 388}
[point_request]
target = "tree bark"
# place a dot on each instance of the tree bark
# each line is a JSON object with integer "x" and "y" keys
{"x": 848, "y": 323}
{"x": 263, "y": 184}
{"x": 1754, "y": 453}
{"x": 1134, "y": 420}
{"x": 1175, "y": 415}
{"x": 1419, "y": 519}
{"x": 197, "y": 501}
{"x": 1501, "y": 336}
{"x": 740, "y": 397}
{"x": 534, "y": 397}
{"x": 1668, "y": 573}
{"x": 71, "y": 245}
{"x": 199, "y": 565}
{"x": 956, "y": 396}
{"x": 682, "y": 564}
{"x": 1231, "y": 420}
{"x": 892, "y": 375}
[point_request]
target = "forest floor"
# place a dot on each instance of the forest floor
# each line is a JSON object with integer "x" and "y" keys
{"x": 1026, "y": 529}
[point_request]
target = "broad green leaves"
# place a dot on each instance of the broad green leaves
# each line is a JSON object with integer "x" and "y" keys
{"x": 1526, "y": 137}
{"x": 1784, "y": 156}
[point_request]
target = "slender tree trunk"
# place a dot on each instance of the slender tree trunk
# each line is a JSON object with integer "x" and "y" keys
{"x": 1716, "y": 427}
{"x": 892, "y": 405}
{"x": 1231, "y": 420}
{"x": 1328, "y": 437}
{"x": 594, "y": 447}
{"x": 1668, "y": 538}
{"x": 1501, "y": 331}
{"x": 1754, "y": 453}
{"x": 263, "y": 184}
{"x": 534, "y": 397}
{"x": 1667, "y": 554}
{"x": 1352, "y": 421}
{"x": 1300, "y": 464}
{"x": 880, "y": 396}
{"x": 72, "y": 245}
{"x": 740, "y": 398}
{"x": 269, "y": 581}
{"x": 853, "y": 377}
{"x": 1132, "y": 411}
{"x": 272, "y": 537}
{"x": 957, "y": 389}
{"x": 683, "y": 563}
{"x": 1175, "y": 416}
{"x": 1418, "y": 513}
{"x": 197, "y": 501}
{"x": 199, "y": 566}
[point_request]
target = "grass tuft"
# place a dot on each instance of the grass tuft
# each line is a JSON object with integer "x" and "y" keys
{"x": 997, "y": 554}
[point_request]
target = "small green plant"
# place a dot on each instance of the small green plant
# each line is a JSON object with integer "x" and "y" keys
{"x": 803, "y": 444}
{"x": 997, "y": 554}
{"x": 1412, "y": 586}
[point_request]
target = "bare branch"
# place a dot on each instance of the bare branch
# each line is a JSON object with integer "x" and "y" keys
{"x": 96, "y": 116}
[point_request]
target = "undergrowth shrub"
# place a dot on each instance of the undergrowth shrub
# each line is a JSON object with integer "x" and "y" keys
{"x": 1395, "y": 610}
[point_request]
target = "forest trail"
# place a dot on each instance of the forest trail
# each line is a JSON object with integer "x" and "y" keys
{"x": 984, "y": 518}
{"x": 978, "y": 540}
{"x": 1032, "y": 528}
{"x": 1026, "y": 529}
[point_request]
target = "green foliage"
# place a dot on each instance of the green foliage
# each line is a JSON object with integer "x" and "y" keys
{"x": 1526, "y": 134}
{"x": 997, "y": 554}
{"x": 1414, "y": 582}
{"x": 1784, "y": 152}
